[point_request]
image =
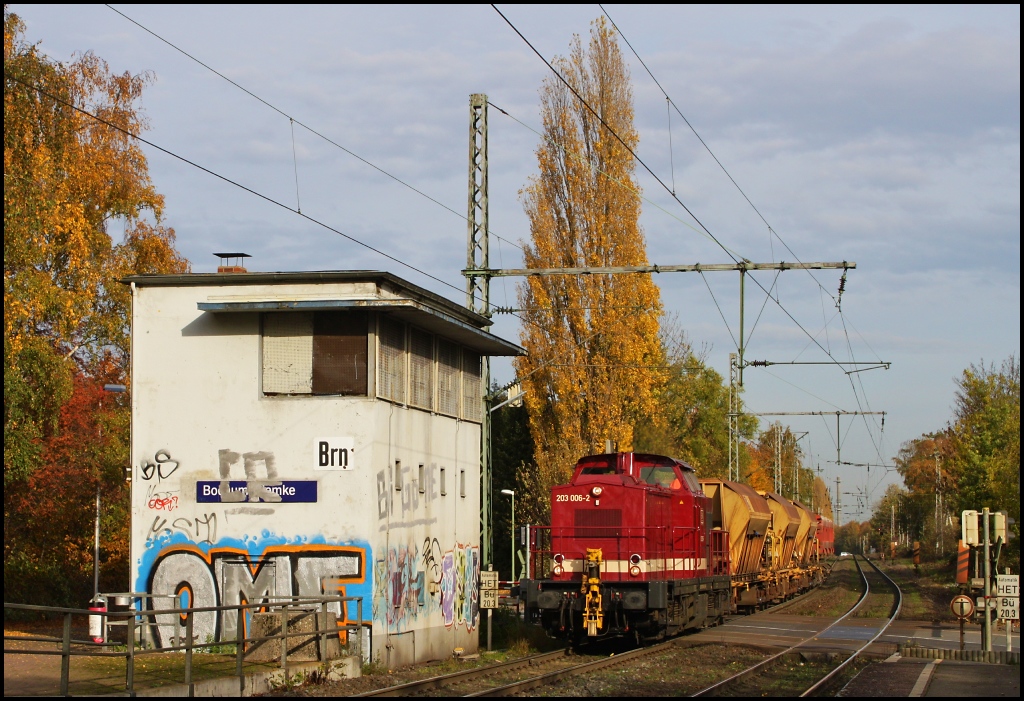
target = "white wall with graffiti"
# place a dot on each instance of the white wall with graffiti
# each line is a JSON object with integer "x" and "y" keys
{"x": 237, "y": 495}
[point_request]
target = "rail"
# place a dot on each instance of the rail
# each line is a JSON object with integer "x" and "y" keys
{"x": 444, "y": 680}
{"x": 897, "y": 605}
{"x": 522, "y": 686}
{"x": 290, "y": 609}
{"x": 717, "y": 688}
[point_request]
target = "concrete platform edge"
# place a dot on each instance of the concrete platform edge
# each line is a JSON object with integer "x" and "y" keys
{"x": 931, "y": 653}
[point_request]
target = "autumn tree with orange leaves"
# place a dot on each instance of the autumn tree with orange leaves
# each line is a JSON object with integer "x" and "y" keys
{"x": 69, "y": 181}
{"x": 592, "y": 369}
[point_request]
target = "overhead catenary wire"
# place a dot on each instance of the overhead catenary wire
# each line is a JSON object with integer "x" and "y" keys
{"x": 685, "y": 223}
{"x": 771, "y": 230}
{"x": 298, "y": 210}
{"x": 615, "y": 180}
{"x": 305, "y": 126}
{"x": 228, "y": 180}
{"x": 612, "y": 132}
{"x": 262, "y": 196}
{"x": 643, "y": 164}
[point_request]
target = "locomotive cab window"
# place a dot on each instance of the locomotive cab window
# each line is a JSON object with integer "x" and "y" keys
{"x": 660, "y": 476}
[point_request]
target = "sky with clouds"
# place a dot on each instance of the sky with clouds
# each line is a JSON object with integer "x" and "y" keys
{"x": 884, "y": 135}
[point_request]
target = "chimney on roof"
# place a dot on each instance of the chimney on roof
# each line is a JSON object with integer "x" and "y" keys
{"x": 226, "y": 264}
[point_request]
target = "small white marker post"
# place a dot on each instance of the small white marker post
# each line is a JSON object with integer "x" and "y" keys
{"x": 1008, "y": 589}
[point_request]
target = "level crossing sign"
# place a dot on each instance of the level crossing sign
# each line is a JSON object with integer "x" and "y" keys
{"x": 488, "y": 590}
{"x": 962, "y": 606}
{"x": 1008, "y": 597}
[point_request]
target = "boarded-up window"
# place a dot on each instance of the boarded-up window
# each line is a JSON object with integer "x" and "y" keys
{"x": 472, "y": 390}
{"x": 320, "y": 352}
{"x": 288, "y": 353}
{"x": 391, "y": 360}
{"x": 449, "y": 374}
{"x": 339, "y": 353}
{"x": 421, "y": 369}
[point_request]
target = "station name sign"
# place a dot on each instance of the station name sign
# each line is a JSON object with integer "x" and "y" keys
{"x": 337, "y": 453}
{"x": 283, "y": 491}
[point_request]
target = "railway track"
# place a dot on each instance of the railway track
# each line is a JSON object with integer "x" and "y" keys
{"x": 517, "y": 676}
{"x": 760, "y": 675}
{"x": 525, "y": 674}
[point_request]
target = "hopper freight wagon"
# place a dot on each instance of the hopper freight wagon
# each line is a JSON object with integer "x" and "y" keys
{"x": 639, "y": 546}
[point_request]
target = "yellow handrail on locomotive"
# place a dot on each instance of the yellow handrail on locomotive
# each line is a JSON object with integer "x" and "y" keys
{"x": 593, "y": 614}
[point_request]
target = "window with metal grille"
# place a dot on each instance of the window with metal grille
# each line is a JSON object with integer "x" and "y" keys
{"x": 421, "y": 369}
{"x": 472, "y": 392}
{"x": 391, "y": 360}
{"x": 322, "y": 352}
{"x": 288, "y": 353}
{"x": 449, "y": 375}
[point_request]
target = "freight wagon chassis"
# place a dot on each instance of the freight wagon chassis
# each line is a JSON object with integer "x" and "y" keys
{"x": 759, "y": 592}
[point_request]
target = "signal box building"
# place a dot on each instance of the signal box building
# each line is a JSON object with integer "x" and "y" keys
{"x": 310, "y": 434}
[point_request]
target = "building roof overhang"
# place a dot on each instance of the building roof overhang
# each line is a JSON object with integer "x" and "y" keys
{"x": 395, "y": 296}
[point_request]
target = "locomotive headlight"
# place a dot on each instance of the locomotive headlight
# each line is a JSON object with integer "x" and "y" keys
{"x": 634, "y": 559}
{"x": 559, "y": 557}
{"x": 634, "y": 570}
{"x": 597, "y": 491}
{"x": 557, "y": 570}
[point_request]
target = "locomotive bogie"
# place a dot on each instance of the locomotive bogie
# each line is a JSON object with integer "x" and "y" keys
{"x": 651, "y": 610}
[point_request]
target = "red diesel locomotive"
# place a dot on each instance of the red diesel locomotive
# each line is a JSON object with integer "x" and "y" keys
{"x": 638, "y": 546}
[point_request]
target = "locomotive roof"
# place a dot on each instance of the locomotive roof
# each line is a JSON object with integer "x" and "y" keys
{"x": 632, "y": 468}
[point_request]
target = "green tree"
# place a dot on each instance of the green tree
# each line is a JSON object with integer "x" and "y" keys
{"x": 592, "y": 369}
{"x": 511, "y": 461}
{"x": 985, "y": 437}
{"x": 928, "y": 467}
{"x": 777, "y": 448}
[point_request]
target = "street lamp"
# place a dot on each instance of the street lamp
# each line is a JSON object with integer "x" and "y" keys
{"x": 512, "y": 493}
{"x": 98, "y": 603}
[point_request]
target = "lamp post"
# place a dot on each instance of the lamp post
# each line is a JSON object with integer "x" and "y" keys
{"x": 98, "y": 603}
{"x": 512, "y": 493}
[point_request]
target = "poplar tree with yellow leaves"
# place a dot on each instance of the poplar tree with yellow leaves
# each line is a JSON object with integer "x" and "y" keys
{"x": 69, "y": 180}
{"x": 592, "y": 370}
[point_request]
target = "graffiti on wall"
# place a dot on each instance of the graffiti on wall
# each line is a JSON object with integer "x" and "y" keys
{"x": 415, "y": 581}
{"x": 253, "y": 570}
{"x": 201, "y": 529}
{"x": 190, "y": 560}
{"x": 160, "y": 467}
{"x": 159, "y": 497}
{"x": 257, "y": 486}
{"x": 401, "y": 491}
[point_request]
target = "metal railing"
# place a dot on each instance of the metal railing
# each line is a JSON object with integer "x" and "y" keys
{"x": 140, "y": 623}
